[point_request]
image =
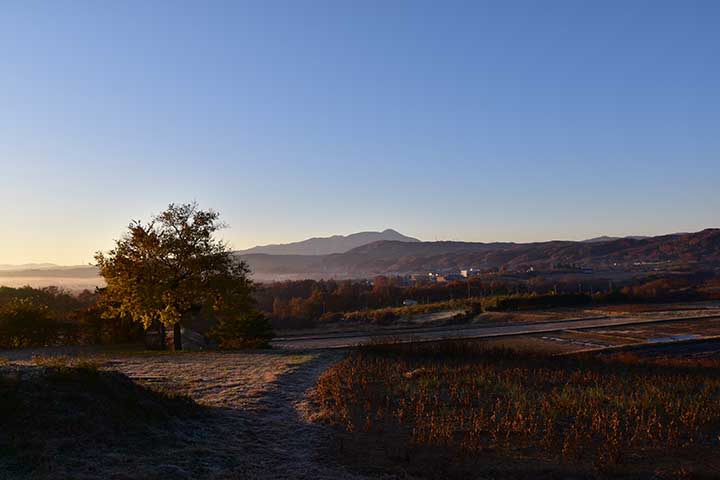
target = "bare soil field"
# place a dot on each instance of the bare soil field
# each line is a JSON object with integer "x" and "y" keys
{"x": 599, "y": 338}
{"x": 698, "y": 351}
{"x": 573, "y": 341}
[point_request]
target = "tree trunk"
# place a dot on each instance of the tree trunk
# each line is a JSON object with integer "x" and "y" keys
{"x": 177, "y": 337}
{"x": 163, "y": 337}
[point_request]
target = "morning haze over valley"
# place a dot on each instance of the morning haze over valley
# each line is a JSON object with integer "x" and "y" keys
{"x": 362, "y": 240}
{"x": 388, "y": 252}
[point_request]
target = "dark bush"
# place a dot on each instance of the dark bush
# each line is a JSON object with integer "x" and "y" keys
{"x": 384, "y": 317}
{"x": 243, "y": 331}
{"x": 95, "y": 329}
{"x": 330, "y": 317}
{"x": 532, "y": 301}
{"x": 25, "y": 324}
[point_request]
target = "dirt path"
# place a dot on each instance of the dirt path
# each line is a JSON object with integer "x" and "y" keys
{"x": 256, "y": 428}
{"x": 260, "y": 431}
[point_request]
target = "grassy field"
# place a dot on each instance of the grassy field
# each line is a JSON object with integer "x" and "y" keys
{"x": 57, "y": 412}
{"x": 83, "y": 414}
{"x": 466, "y": 411}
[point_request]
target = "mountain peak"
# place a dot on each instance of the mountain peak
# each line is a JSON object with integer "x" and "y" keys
{"x": 330, "y": 245}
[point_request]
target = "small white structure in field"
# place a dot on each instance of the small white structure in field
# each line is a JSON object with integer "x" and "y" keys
{"x": 409, "y": 303}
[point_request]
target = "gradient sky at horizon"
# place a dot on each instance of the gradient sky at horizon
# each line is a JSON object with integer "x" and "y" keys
{"x": 480, "y": 121}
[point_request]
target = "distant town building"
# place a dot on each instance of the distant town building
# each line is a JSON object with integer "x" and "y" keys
{"x": 451, "y": 277}
{"x": 409, "y": 303}
{"x": 470, "y": 272}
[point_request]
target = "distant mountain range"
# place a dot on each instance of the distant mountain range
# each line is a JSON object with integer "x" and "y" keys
{"x": 330, "y": 245}
{"x": 28, "y": 266}
{"x": 605, "y": 238}
{"x": 53, "y": 270}
{"x": 409, "y": 255}
{"x": 392, "y": 257}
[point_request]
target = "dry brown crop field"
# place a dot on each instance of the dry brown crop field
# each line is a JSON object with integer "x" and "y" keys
{"x": 463, "y": 411}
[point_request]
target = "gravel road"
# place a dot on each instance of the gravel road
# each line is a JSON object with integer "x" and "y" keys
{"x": 426, "y": 335}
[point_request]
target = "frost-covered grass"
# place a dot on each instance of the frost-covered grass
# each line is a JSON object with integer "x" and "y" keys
{"x": 58, "y": 414}
{"x": 248, "y": 423}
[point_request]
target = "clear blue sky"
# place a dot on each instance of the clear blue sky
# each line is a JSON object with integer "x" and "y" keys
{"x": 471, "y": 120}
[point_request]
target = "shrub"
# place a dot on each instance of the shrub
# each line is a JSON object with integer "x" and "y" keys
{"x": 384, "y": 317}
{"x": 25, "y": 324}
{"x": 330, "y": 317}
{"x": 532, "y": 301}
{"x": 252, "y": 330}
{"x": 50, "y": 316}
{"x": 94, "y": 329}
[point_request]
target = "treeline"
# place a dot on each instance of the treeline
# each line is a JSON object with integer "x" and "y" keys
{"x": 295, "y": 303}
{"x": 51, "y": 316}
{"x": 33, "y": 317}
{"x": 306, "y": 303}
